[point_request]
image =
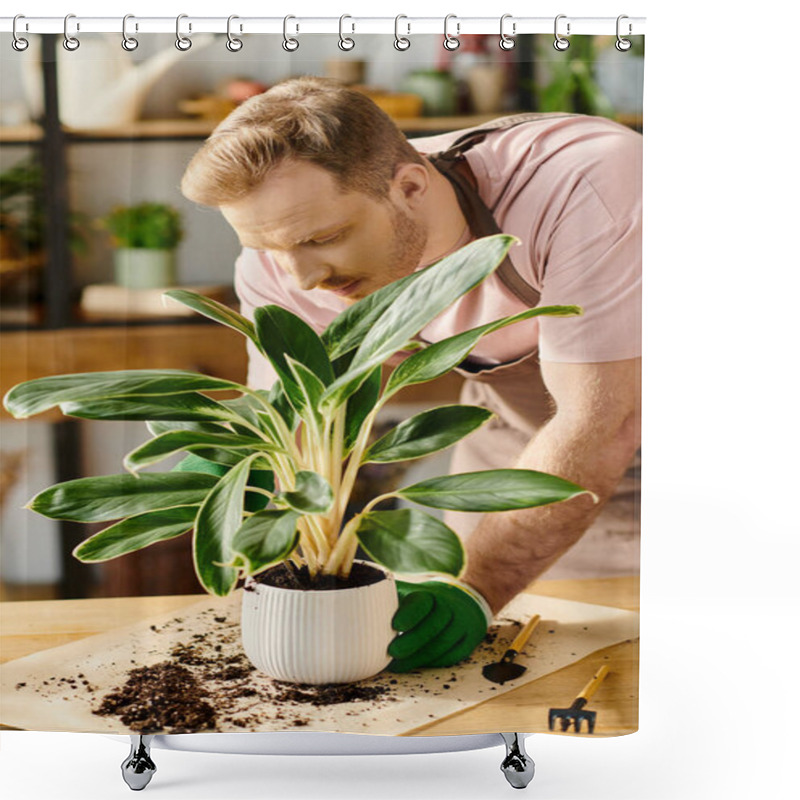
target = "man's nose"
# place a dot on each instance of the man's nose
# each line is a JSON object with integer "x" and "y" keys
{"x": 307, "y": 273}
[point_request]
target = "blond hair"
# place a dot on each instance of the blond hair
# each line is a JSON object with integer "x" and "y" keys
{"x": 310, "y": 119}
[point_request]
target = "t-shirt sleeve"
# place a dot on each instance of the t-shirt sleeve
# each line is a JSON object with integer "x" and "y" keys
{"x": 592, "y": 257}
{"x": 260, "y": 373}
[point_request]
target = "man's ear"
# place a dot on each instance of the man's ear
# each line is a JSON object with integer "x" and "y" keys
{"x": 410, "y": 185}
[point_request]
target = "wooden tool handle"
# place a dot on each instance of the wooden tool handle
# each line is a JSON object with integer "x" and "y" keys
{"x": 591, "y": 687}
{"x": 525, "y": 633}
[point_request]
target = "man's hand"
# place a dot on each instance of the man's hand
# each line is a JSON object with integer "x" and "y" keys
{"x": 590, "y": 440}
{"x": 440, "y": 624}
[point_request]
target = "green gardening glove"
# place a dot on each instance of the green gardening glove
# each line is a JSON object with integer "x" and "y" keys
{"x": 262, "y": 478}
{"x": 440, "y": 623}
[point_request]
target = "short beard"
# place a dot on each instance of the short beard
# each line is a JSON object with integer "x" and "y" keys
{"x": 410, "y": 239}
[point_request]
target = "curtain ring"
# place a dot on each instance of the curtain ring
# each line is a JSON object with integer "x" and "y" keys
{"x": 401, "y": 42}
{"x": 182, "y": 42}
{"x": 560, "y": 43}
{"x": 345, "y": 42}
{"x": 70, "y": 42}
{"x": 451, "y": 42}
{"x": 233, "y": 44}
{"x": 623, "y": 44}
{"x": 506, "y": 42}
{"x": 129, "y": 43}
{"x": 18, "y": 43}
{"x": 289, "y": 44}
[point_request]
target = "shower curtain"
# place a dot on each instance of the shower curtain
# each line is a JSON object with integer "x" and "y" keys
{"x": 107, "y": 205}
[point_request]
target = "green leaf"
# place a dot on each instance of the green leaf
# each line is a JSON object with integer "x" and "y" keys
{"x": 216, "y": 311}
{"x": 157, "y": 427}
{"x": 416, "y": 305}
{"x": 40, "y": 394}
{"x": 219, "y": 518}
{"x": 312, "y": 494}
{"x": 439, "y": 358}
{"x": 282, "y": 334}
{"x": 107, "y": 497}
{"x": 188, "y": 406}
{"x": 492, "y": 490}
{"x": 426, "y": 432}
{"x": 349, "y": 328}
{"x": 409, "y": 540}
{"x": 246, "y": 407}
{"x": 175, "y": 441}
{"x": 136, "y": 532}
{"x": 254, "y": 411}
{"x": 359, "y": 405}
{"x": 266, "y": 538}
{"x": 310, "y": 390}
{"x": 276, "y": 397}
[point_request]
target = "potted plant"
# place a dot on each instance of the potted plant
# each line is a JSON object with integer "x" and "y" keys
{"x": 288, "y": 459}
{"x": 571, "y": 85}
{"x": 22, "y": 223}
{"x": 145, "y": 237}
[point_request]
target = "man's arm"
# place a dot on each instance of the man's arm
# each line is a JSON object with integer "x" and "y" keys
{"x": 590, "y": 440}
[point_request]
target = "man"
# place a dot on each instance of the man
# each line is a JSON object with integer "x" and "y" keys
{"x": 331, "y": 202}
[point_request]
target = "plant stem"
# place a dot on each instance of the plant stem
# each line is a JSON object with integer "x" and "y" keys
{"x": 349, "y": 557}
{"x": 343, "y": 547}
{"x": 376, "y": 500}
{"x": 284, "y": 434}
{"x": 354, "y": 461}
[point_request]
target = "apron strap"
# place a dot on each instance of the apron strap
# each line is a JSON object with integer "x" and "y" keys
{"x": 452, "y": 164}
{"x": 472, "y": 137}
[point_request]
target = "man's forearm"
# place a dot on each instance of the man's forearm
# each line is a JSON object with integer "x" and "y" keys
{"x": 508, "y": 550}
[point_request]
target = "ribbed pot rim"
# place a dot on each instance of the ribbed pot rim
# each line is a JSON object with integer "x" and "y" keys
{"x": 263, "y": 587}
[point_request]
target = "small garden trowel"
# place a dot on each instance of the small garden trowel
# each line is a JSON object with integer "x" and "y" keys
{"x": 505, "y": 670}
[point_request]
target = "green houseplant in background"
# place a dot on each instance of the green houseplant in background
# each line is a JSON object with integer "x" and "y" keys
{"x": 22, "y": 223}
{"x": 571, "y": 85}
{"x": 276, "y": 468}
{"x": 145, "y": 237}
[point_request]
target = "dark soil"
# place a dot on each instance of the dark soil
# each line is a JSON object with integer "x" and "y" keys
{"x": 327, "y": 694}
{"x": 158, "y": 697}
{"x": 286, "y": 576}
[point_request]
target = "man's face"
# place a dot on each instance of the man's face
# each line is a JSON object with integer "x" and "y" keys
{"x": 348, "y": 243}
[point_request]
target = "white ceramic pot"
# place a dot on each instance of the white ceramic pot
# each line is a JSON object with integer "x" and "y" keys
{"x": 336, "y": 636}
{"x": 144, "y": 268}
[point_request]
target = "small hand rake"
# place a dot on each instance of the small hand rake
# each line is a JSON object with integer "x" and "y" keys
{"x": 576, "y": 712}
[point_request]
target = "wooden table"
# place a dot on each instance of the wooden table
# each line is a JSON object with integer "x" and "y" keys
{"x": 28, "y": 627}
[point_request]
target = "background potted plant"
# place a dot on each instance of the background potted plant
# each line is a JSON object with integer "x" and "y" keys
{"x": 145, "y": 237}
{"x": 286, "y": 461}
{"x": 22, "y": 226}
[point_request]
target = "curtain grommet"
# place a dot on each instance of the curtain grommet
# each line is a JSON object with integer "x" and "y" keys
{"x": 19, "y": 43}
{"x": 346, "y": 43}
{"x": 506, "y": 41}
{"x": 289, "y": 43}
{"x": 233, "y": 44}
{"x": 129, "y": 43}
{"x": 70, "y": 43}
{"x": 451, "y": 43}
{"x": 183, "y": 43}
{"x": 623, "y": 45}
{"x": 560, "y": 43}
{"x": 401, "y": 43}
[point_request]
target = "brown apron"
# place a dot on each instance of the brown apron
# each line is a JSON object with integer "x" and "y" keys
{"x": 515, "y": 390}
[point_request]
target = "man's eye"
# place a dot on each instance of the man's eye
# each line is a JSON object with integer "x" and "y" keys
{"x": 327, "y": 239}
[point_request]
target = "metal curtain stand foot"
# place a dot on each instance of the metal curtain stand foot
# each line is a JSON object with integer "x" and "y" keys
{"x": 138, "y": 768}
{"x": 517, "y": 766}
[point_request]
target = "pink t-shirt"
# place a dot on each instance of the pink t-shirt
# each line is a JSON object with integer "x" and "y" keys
{"x": 570, "y": 189}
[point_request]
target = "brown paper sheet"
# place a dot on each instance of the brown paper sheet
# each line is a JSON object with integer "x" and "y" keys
{"x": 59, "y": 689}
